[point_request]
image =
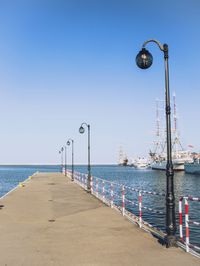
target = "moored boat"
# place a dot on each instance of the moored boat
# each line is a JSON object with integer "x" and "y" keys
{"x": 178, "y": 160}
{"x": 140, "y": 163}
{"x": 193, "y": 168}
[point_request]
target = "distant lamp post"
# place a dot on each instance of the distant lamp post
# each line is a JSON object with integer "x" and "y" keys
{"x": 144, "y": 60}
{"x": 65, "y": 160}
{"x": 60, "y": 162}
{"x": 82, "y": 130}
{"x": 61, "y": 153}
{"x": 71, "y": 141}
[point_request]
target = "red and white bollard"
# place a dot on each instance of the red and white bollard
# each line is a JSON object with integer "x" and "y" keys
{"x": 140, "y": 208}
{"x": 103, "y": 190}
{"x": 123, "y": 200}
{"x": 187, "y": 232}
{"x": 180, "y": 219}
{"x": 111, "y": 195}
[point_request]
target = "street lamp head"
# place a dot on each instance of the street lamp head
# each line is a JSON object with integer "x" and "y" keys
{"x": 81, "y": 130}
{"x": 68, "y": 143}
{"x": 144, "y": 59}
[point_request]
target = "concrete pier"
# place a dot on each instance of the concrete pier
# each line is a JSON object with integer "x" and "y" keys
{"x": 52, "y": 221}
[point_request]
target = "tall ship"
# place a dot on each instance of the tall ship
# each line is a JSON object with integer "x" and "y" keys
{"x": 123, "y": 160}
{"x": 180, "y": 156}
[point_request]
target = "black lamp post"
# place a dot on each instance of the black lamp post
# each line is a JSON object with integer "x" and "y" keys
{"x": 68, "y": 143}
{"x": 65, "y": 160}
{"x": 61, "y": 153}
{"x": 144, "y": 60}
{"x": 60, "y": 161}
{"x": 82, "y": 130}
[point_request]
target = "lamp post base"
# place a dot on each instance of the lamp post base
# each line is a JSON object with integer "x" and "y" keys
{"x": 170, "y": 241}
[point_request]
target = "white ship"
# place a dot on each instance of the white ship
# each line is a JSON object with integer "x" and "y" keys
{"x": 179, "y": 155}
{"x": 179, "y": 160}
{"x": 193, "y": 168}
{"x": 140, "y": 163}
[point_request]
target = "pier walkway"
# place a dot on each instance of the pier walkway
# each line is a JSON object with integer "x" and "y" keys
{"x": 53, "y": 221}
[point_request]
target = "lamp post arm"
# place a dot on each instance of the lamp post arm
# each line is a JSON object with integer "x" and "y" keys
{"x": 84, "y": 124}
{"x": 155, "y": 41}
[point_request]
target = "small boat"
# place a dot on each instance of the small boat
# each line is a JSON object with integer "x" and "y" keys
{"x": 193, "y": 168}
{"x": 140, "y": 163}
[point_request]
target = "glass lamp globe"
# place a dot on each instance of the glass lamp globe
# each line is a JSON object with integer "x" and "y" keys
{"x": 144, "y": 59}
{"x": 81, "y": 130}
{"x": 68, "y": 143}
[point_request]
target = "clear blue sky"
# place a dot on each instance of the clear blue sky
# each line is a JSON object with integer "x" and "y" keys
{"x": 66, "y": 62}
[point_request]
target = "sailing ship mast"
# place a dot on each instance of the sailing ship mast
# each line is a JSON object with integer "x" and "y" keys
{"x": 159, "y": 143}
{"x": 122, "y": 158}
{"x": 176, "y": 141}
{"x": 179, "y": 155}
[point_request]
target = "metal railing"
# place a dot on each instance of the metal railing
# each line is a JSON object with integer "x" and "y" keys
{"x": 120, "y": 197}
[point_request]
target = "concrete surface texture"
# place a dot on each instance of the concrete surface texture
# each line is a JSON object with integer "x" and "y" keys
{"x": 52, "y": 221}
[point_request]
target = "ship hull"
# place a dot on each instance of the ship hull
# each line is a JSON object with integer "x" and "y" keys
{"x": 191, "y": 168}
{"x": 162, "y": 166}
{"x": 141, "y": 167}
